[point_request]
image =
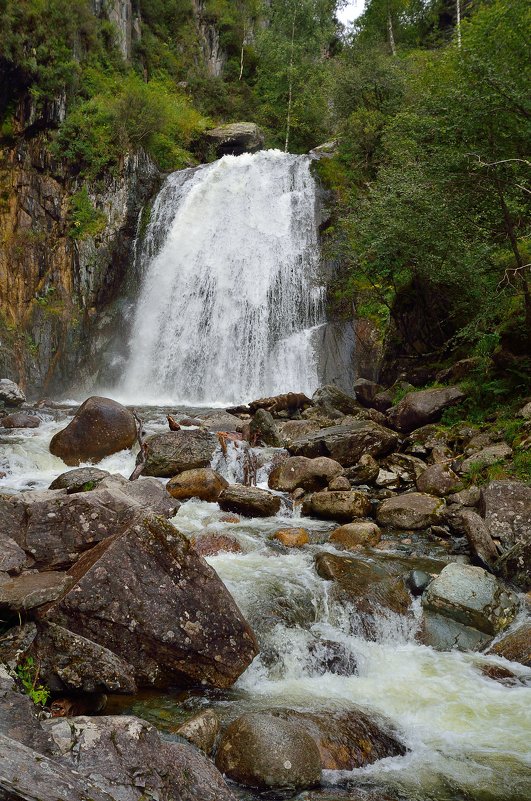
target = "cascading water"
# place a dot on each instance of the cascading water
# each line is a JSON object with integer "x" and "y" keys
{"x": 231, "y": 292}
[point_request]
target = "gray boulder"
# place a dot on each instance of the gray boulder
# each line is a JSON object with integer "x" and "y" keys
{"x": 337, "y": 505}
{"x": 235, "y": 138}
{"x": 10, "y": 393}
{"x": 263, "y": 428}
{"x": 417, "y": 409}
{"x": 487, "y": 456}
{"x": 176, "y": 451}
{"x": 346, "y": 443}
{"x": 413, "y": 510}
{"x": 249, "y": 501}
{"x": 82, "y": 479}
{"x": 309, "y": 474}
{"x": 333, "y": 397}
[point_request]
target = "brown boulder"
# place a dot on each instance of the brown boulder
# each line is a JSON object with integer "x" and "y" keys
{"x": 99, "y": 428}
{"x": 438, "y": 479}
{"x": 332, "y": 397}
{"x": 30, "y": 590}
{"x": 413, "y": 510}
{"x": 149, "y": 598}
{"x": 20, "y": 420}
{"x": 212, "y": 544}
{"x": 337, "y": 505}
{"x": 346, "y": 443}
{"x": 201, "y": 730}
{"x": 417, "y": 409}
{"x": 249, "y": 501}
{"x": 365, "y": 471}
{"x": 309, "y": 474}
{"x": 176, "y": 451}
{"x": 203, "y": 483}
{"x": 339, "y": 484}
{"x": 366, "y": 391}
{"x": 356, "y": 534}
{"x": 515, "y": 646}
{"x": 292, "y": 537}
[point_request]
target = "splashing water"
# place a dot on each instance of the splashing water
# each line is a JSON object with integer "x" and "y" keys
{"x": 231, "y": 296}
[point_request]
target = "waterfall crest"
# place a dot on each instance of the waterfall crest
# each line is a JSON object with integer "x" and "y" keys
{"x": 230, "y": 293}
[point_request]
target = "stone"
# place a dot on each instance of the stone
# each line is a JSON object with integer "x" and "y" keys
{"x": 339, "y": 484}
{"x": 291, "y": 430}
{"x": 458, "y": 370}
{"x": 146, "y": 491}
{"x": 292, "y": 537}
{"x": 203, "y": 483}
{"x": 266, "y": 752}
{"x": 336, "y": 398}
{"x": 478, "y": 536}
{"x": 438, "y": 479}
{"x": 515, "y": 565}
{"x": 262, "y": 428}
{"x": 148, "y": 597}
{"x": 212, "y": 544}
{"x": 364, "y": 472}
{"x": 222, "y": 421}
{"x": 235, "y": 138}
{"x": 18, "y": 719}
{"x": 176, "y": 451}
{"x": 417, "y": 581}
{"x": 290, "y": 402}
{"x": 309, "y": 474}
{"x": 70, "y": 662}
{"x": 366, "y": 391}
{"x": 127, "y": 759}
{"x": 487, "y": 457}
{"x": 10, "y": 393}
{"x": 515, "y": 645}
{"x": 12, "y": 557}
{"x": 249, "y": 501}
{"x": 30, "y": 590}
{"x": 469, "y": 597}
{"x": 346, "y": 740}
{"x": 346, "y": 443}
{"x": 525, "y": 411}
{"x": 81, "y": 479}
{"x": 466, "y": 497}
{"x": 20, "y": 420}
{"x": 99, "y": 428}
{"x": 356, "y": 534}
{"x": 383, "y": 401}
{"x": 201, "y": 730}
{"x": 412, "y": 510}
{"x": 337, "y": 505}
{"x": 506, "y": 507}
{"x": 417, "y": 409}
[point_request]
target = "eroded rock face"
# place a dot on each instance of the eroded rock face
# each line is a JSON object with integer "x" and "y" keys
{"x": 10, "y": 393}
{"x": 249, "y": 501}
{"x": 149, "y": 598}
{"x": 176, "y": 451}
{"x": 413, "y": 510}
{"x": 346, "y": 443}
{"x": 309, "y": 474}
{"x": 337, "y": 505}
{"x": 203, "y": 483}
{"x": 465, "y": 606}
{"x": 99, "y": 428}
{"x": 266, "y": 752}
{"x": 417, "y": 409}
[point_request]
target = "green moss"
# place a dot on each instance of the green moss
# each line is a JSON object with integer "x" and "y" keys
{"x": 84, "y": 219}
{"x": 28, "y": 674}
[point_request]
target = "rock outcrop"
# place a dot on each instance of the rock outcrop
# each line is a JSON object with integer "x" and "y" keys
{"x": 235, "y": 138}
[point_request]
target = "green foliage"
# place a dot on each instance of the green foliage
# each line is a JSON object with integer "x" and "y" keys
{"x": 28, "y": 674}
{"x": 85, "y": 219}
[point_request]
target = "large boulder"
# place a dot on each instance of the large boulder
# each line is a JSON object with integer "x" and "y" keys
{"x": 10, "y": 393}
{"x": 176, "y": 451}
{"x": 337, "y": 505}
{"x": 506, "y": 507}
{"x": 365, "y": 471}
{"x": 465, "y": 607}
{"x": 222, "y": 421}
{"x": 99, "y": 428}
{"x": 82, "y": 479}
{"x": 333, "y": 397}
{"x": 359, "y": 533}
{"x": 487, "y": 456}
{"x": 308, "y": 474}
{"x": 268, "y": 753}
{"x": 516, "y": 645}
{"x": 366, "y": 391}
{"x": 263, "y": 428}
{"x": 20, "y": 420}
{"x": 438, "y": 479}
{"x": 412, "y": 510}
{"x": 417, "y": 409}
{"x": 203, "y": 483}
{"x": 148, "y": 597}
{"x": 346, "y": 443}
{"x": 18, "y": 719}
{"x": 249, "y": 501}
{"x": 235, "y": 138}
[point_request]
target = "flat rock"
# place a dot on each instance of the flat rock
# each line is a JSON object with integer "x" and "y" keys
{"x": 30, "y": 590}
{"x": 176, "y": 451}
{"x": 412, "y": 510}
{"x": 82, "y": 479}
{"x": 249, "y": 501}
{"x": 417, "y": 409}
{"x": 20, "y": 420}
{"x": 337, "y": 505}
{"x": 148, "y": 597}
{"x": 346, "y": 443}
{"x": 309, "y": 474}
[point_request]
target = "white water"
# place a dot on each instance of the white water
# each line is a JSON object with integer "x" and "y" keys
{"x": 231, "y": 293}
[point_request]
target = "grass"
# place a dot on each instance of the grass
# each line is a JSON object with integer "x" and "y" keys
{"x": 28, "y": 675}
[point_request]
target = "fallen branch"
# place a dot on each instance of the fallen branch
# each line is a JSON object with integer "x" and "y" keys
{"x": 142, "y": 454}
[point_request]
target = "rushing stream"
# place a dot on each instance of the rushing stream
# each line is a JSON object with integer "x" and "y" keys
{"x": 468, "y": 735}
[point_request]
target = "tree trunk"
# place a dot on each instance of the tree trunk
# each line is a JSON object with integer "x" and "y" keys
{"x": 390, "y": 33}
{"x": 458, "y": 22}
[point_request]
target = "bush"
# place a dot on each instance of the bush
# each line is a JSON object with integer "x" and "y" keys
{"x": 85, "y": 220}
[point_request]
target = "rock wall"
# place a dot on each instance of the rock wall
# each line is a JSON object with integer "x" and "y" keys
{"x": 209, "y": 40}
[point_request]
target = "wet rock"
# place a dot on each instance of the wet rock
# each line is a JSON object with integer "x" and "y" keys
{"x": 366, "y": 391}
{"x": 487, "y": 457}
{"x": 292, "y": 537}
{"x": 364, "y": 472}
{"x": 127, "y": 759}
{"x": 309, "y": 474}
{"x": 70, "y": 662}
{"x": 356, "y": 534}
{"x": 346, "y": 740}
{"x": 337, "y": 505}
{"x": 29, "y": 590}
{"x": 249, "y": 501}
{"x": 417, "y": 581}
{"x": 10, "y": 393}
{"x": 329, "y": 656}
{"x": 201, "y": 730}
{"x": 336, "y": 398}
{"x": 203, "y": 483}
{"x": 149, "y": 598}
{"x": 266, "y": 752}
{"x": 438, "y": 479}
{"x": 346, "y": 443}
{"x": 12, "y": 557}
{"x": 212, "y": 544}
{"x": 20, "y": 420}
{"x": 417, "y": 409}
{"x": 82, "y": 479}
{"x": 176, "y": 451}
{"x": 235, "y": 138}
{"x": 222, "y": 421}
{"x": 262, "y": 428}
{"x": 147, "y": 492}
{"x": 479, "y": 539}
{"x": 413, "y": 510}
{"x": 339, "y": 484}
{"x": 465, "y": 606}
{"x": 516, "y": 645}
{"x": 99, "y": 428}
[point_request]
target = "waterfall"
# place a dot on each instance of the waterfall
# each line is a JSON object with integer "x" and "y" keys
{"x": 230, "y": 294}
